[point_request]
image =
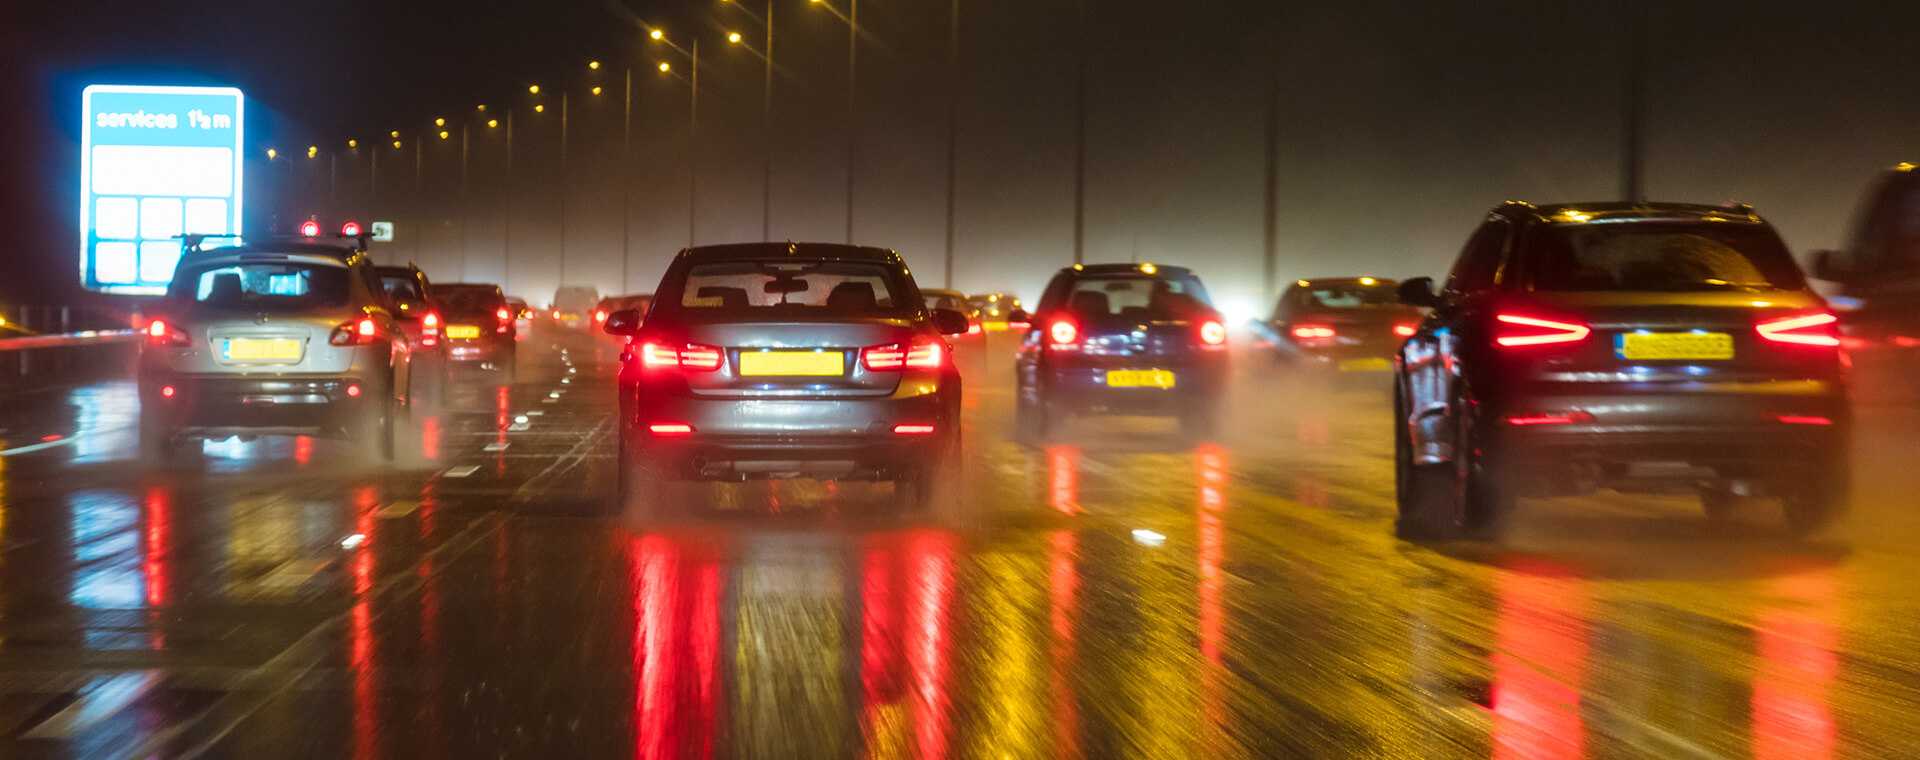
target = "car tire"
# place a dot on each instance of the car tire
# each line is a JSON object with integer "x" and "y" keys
{"x": 158, "y": 439}
{"x": 1416, "y": 488}
{"x": 1720, "y": 505}
{"x": 1468, "y": 496}
{"x": 374, "y": 429}
{"x": 1815, "y": 504}
{"x": 932, "y": 487}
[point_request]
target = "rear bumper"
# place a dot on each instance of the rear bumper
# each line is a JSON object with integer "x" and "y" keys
{"x": 219, "y": 404}
{"x": 1086, "y": 388}
{"x": 472, "y": 352}
{"x": 737, "y": 439}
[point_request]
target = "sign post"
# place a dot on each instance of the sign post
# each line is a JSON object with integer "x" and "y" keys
{"x": 155, "y": 163}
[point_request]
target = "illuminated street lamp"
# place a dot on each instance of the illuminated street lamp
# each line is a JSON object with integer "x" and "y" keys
{"x": 665, "y": 68}
{"x": 443, "y": 134}
{"x": 595, "y": 90}
{"x": 272, "y": 154}
{"x": 492, "y": 123}
{"x": 439, "y": 122}
{"x": 533, "y": 89}
{"x": 395, "y": 134}
{"x": 593, "y": 65}
{"x": 352, "y": 143}
{"x": 313, "y": 151}
{"x": 733, "y": 38}
{"x": 481, "y": 108}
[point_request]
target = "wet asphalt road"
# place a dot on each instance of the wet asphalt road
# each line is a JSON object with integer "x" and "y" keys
{"x": 209, "y": 607}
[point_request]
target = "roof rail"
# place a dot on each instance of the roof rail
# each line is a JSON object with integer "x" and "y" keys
{"x": 1741, "y": 206}
{"x": 1512, "y": 202}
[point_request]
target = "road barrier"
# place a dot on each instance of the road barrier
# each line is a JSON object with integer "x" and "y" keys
{"x": 47, "y": 345}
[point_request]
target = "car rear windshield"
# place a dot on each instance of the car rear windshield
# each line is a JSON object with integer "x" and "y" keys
{"x": 1137, "y": 297}
{"x": 575, "y": 298}
{"x": 1347, "y": 295}
{"x": 1661, "y": 257}
{"x": 263, "y": 287}
{"x": 796, "y": 288}
{"x": 401, "y": 286}
{"x": 469, "y": 300}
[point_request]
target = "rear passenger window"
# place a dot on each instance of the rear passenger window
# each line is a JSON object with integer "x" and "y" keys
{"x": 1478, "y": 267}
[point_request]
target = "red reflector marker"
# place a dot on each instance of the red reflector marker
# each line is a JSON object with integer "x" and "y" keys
{"x": 670, "y": 428}
{"x": 1558, "y": 418}
{"x": 167, "y": 391}
{"x": 1804, "y": 419}
{"x": 353, "y": 390}
{"x": 913, "y": 429}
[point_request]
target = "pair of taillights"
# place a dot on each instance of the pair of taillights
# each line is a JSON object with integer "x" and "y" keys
{"x": 891, "y": 357}
{"x": 361, "y": 331}
{"x": 1819, "y": 329}
{"x": 1312, "y": 334}
{"x": 1064, "y": 334}
{"x": 676, "y": 429}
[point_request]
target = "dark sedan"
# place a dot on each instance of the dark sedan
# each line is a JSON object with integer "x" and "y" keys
{"x": 1343, "y": 324}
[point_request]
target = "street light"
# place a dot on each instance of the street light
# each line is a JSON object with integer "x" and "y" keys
{"x": 492, "y": 123}
{"x": 272, "y": 154}
{"x": 533, "y": 89}
{"x": 395, "y": 134}
{"x": 439, "y": 122}
{"x": 852, "y": 20}
{"x": 593, "y": 65}
{"x": 443, "y": 134}
{"x": 693, "y": 125}
{"x": 539, "y": 108}
{"x": 656, "y": 35}
{"x": 313, "y": 151}
{"x": 595, "y": 90}
{"x": 666, "y": 68}
{"x": 733, "y": 38}
{"x": 352, "y": 143}
{"x": 481, "y": 108}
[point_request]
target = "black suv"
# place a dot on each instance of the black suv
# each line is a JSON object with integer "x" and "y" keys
{"x": 1631, "y": 346}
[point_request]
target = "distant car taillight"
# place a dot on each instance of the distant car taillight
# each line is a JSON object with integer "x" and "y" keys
{"x": 361, "y": 332}
{"x": 1520, "y": 331}
{"x": 1820, "y": 329}
{"x": 161, "y": 333}
{"x": 599, "y": 315}
{"x": 1405, "y": 329}
{"x": 1312, "y": 335}
{"x": 503, "y": 315}
{"x": 922, "y": 354}
{"x": 689, "y": 356}
{"x": 1064, "y": 335}
{"x": 1213, "y": 333}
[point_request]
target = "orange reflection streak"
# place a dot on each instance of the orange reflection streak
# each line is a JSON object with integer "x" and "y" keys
{"x": 1063, "y": 479}
{"x": 653, "y": 567}
{"x": 1063, "y": 586}
{"x": 1793, "y": 679}
{"x": 303, "y": 450}
{"x": 879, "y": 672}
{"x": 1539, "y": 666}
{"x": 705, "y": 632}
{"x": 156, "y": 544}
{"x": 430, "y": 438}
{"x": 502, "y": 417}
{"x": 1211, "y": 462}
{"x": 927, "y": 640}
{"x": 366, "y": 724}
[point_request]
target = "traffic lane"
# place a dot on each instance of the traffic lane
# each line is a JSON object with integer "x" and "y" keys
{"x": 1126, "y": 592}
{"x": 133, "y": 594}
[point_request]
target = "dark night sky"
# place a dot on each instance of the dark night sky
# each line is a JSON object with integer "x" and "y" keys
{"x": 1401, "y": 121}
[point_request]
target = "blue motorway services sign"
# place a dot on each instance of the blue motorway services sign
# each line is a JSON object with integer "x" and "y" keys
{"x": 155, "y": 163}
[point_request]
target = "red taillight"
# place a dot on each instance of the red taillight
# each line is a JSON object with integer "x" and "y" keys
{"x": 309, "y": 228}
{"x": 361, "y": 331}
{"x": 353, "y": 390}
{"x": 973, "y": 328}
{"x": 913, "y": 430}
{"x": 159, "y": 333}
{"x": 1804, "y": 419}
{"x": 556, "y": 313}
{"x": 167, "y": 391}
{"x": 1213, "y": 333}
{"x": 502, "y": 315}
{"x": 1553, "y": 418}
{"x": 1313, "y": 332}
{"x": 1064, "y": 334}
{"x": 431, "y": 321}
{"x": 1405, "y": 330}
{"x": 925, "y": 354}
{"x": 665, "y": 429}
{"x": 599, "y": 315}
{"x": 693, "y": 356}
{"x": 1517, "y": 331}
{"x": 1817, "y": 329}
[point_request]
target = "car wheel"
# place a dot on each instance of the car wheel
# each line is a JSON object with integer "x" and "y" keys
{"x": 374, "y": 430}
{"x": 1720, "y": 504}
{"x": 1418, "y": 490}
{"x": 933, "y": 485}
{"x": 158, "y": 439}
{"x": 1815, "y": 504}
{"x": 1466, "y": 496}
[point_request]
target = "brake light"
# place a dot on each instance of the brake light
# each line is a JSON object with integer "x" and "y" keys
{"x": 431, "y": 321}
{"x": 666, "y": 429}
{"x": 1405, "y": 330}
{"x": 350, "y": 229}
{"x": 894, "y": 356}
{"x": 160, "y": 333}
{"x": 502, "y": 315}
{"x": 1064, "y": 334}
{"x": 353, "y": 390}
{"x": 913, "y": 430}
{"x": 599, "y": 315}
{"x": 1817, "y": 329}
{"x": 1213, "y": 333}
{"x": 1804, "y": 419}
{"x": 1560, "y": 418}
{"x": 1312, "y": 332}
{"x": 1517, "y": 331}
{"x": 556, "y": 313}
{"x": 693, "y": 356}
{"x": 358, "y": 332}
{"x": 167, "y": 391}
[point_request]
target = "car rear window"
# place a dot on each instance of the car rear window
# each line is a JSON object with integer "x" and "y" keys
{"x": 470, "y": 300}
{"x": 1137, "y": 297}
{"x": 1661, "y": 257}
{"x": 401, "y": 286}
{"x": 1347, "y": 296}
{"x": 800, "y": 288}
{"x": 264, "y": 287}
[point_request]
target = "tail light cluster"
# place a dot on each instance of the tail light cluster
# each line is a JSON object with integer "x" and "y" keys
{"x": 1063, "y": 335}
{"x": 1405, "y": 329}
{"x": 893, "y": 357}
{"x": 1820, "y": 329}
{"x": 1313, "y": 335}
{"x": 430, "y": 329}
{"x": 163, "y": 333}
{"x": 359, "y": 332}
{"x": 1521, "y": 331}
{"x": 696, "y": 357}
{"x": 506, "y": 319}
{"x": 1213, "y": 334}
{"x": 599, "y": 315}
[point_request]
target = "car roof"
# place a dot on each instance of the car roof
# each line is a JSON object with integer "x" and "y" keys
{"x": 295, "y": 246}
{"x": 464, "y": 286}
{"x": 941, "y": 292}
{"x": 1148, "y": 269}
{"x": 1627, "y": 211}
{"x": 1355, "y": 280}
{"x": 827, "y": 251}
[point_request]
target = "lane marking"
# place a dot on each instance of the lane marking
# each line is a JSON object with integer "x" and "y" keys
{"x": 102, "y": 697}
{"x": 495, "y": 446}
{"x": 461, "y": 472}
{"x": 400, "y": 508}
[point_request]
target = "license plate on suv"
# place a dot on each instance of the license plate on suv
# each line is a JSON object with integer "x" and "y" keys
{"x": 1657, "y": 346}
{"x": 1140, "y": 378}
{"x": 463, "y": 332}
{"x": 261, "y": 349}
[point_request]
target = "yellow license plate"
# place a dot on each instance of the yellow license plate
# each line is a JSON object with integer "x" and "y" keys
{"x": 792, "y": 364}
{"x": 1365, "y": 365}
{"x": 1674, "y": 345}
{"x": 1139, "y": 378}
{"x": 263, "y": 349}
{"x": 463, "y": 332}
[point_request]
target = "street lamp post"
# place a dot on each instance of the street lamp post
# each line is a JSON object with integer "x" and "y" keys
{"x": 1080, "y": 146}
{"x": 953, "y": 127}
{"x": 852, "y": 20}
{"x": 693, "y": 122}
{"x": 766, "y": 115}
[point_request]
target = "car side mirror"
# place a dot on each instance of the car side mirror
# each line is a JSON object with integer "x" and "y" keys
{"x": 949, "y": 322}
{"x": 1824, "y": 267}
{"x": 1019, "y": 316}
{"x": 1418, "y": 291}
{"x": 622, "y": 322}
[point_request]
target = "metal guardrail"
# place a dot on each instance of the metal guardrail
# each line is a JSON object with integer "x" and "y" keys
{"x": 67, "y": 340}
{"x": 42, "y": 345}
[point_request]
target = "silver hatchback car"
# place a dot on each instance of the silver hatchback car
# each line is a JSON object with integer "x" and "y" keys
{"x": 274, "y": 338}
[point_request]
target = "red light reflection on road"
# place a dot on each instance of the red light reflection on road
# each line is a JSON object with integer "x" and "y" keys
{"x": 303, "y": 450}
{"x": 904, "y": 639}
{"x": 430, "y": 438}
{"x": 1795, "y": 670}
{"x": 502, "y": 417}
{"x": 1063, "y": 479}
{"x": 1540, "y": 662}
{"x": 1063, "y": 588}
{"x": 1211, "y": 475}
{"x": 156, "y": 544}
{"x": 676, "y": 650}
{"x": 366, "y": 710}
